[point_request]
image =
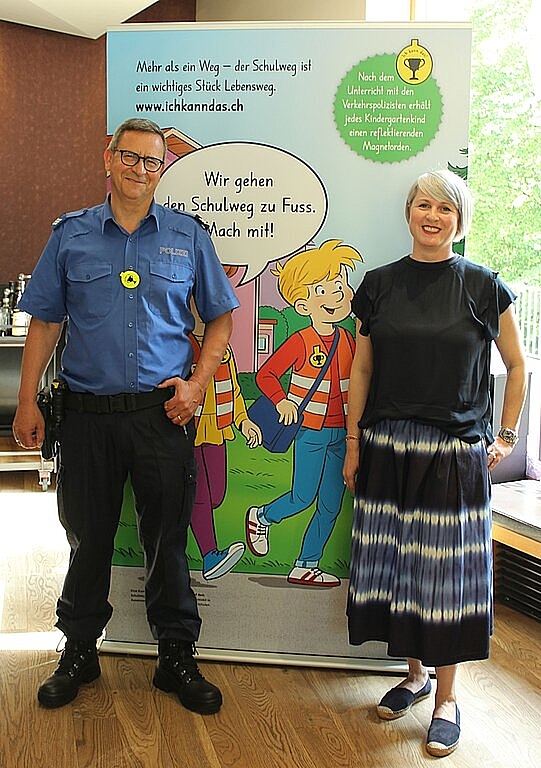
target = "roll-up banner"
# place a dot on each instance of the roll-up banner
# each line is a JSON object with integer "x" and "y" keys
{"x": 296, "y": 145}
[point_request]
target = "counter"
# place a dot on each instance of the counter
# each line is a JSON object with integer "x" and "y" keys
{"x": 11, "y": 456}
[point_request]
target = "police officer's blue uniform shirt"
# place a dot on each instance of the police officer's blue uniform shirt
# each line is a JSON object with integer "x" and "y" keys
{"x": 127, "y": 296}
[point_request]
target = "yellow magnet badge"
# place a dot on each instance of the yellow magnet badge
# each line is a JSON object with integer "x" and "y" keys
{"x": 318, "y": 357}
{"x": 130, "y": 279}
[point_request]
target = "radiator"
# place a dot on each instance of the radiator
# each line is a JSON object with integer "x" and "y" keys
{"x": 517, "y": 580}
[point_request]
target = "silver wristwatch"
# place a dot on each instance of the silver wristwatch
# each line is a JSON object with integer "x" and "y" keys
{"x": 508, "y": 435}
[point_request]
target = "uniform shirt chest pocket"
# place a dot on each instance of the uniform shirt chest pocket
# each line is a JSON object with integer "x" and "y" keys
{"x": 171, "y": 281}
{"x": 90, "y": 290}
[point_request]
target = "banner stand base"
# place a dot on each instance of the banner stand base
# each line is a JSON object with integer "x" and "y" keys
{"x": 395, "y": 666}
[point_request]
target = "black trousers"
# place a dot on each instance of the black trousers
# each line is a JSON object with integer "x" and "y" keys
{"x": 98, "y": 452}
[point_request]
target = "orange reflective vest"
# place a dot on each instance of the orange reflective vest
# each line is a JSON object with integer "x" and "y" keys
{"x": 302, "y": 378}
{"x": 223, "y": 389}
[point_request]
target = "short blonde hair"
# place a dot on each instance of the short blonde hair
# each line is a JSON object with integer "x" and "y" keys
{"x": 313, "y": 266}
{"x": 445, "y": 186}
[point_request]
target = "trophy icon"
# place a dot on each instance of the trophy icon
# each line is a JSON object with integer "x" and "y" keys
{"x": 414, "y": 64}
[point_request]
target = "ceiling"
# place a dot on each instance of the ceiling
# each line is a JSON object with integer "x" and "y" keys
{"x": 85, "y": 18}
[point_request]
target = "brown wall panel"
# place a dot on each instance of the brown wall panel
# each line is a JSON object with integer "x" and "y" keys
{"x": 52, "y": 113}
{"x": 53, "y": 123}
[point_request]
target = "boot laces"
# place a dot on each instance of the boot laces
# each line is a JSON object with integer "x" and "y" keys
{"x": 182, "y": 659}
{"x": 73, "y": 655}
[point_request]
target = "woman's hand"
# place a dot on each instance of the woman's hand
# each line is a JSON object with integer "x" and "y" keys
{"x": 351, "y": 464}
{"x": 498, "y": 451}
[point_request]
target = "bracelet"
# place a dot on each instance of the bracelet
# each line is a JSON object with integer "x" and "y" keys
{"x": 352, "y": 437}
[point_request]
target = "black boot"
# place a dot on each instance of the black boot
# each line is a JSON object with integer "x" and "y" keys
{"x": 78, "y": 664}
{"x": 178, "y": 673}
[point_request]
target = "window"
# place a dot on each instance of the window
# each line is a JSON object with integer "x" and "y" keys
{"x": 504, "y": 153}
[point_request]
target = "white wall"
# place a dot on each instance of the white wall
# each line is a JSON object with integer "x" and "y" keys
{"x": 337, "y": 10}
{"x": 280, "y": 10}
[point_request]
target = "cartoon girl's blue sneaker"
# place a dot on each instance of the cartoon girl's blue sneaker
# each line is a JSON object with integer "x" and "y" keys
{"x": 218, "y": 562}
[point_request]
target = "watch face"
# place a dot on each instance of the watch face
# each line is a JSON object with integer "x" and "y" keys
{"x": 509, "y": 435}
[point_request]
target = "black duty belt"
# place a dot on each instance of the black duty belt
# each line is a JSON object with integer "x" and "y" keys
{"x": 85, "y": 402}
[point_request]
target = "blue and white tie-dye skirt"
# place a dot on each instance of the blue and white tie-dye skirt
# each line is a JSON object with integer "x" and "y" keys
{"x": 421, "y": 560}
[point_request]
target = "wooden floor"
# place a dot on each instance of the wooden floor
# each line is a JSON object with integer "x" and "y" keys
{"x": 283, "y": 717}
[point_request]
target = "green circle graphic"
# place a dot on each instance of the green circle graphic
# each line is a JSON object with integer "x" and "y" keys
{"x": 382, "y": 118}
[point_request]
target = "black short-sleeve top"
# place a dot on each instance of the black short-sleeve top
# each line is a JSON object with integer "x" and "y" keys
{"x": 431, "y": 325}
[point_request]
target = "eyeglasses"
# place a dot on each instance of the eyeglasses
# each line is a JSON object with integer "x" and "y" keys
{"x": 129, "y": 158}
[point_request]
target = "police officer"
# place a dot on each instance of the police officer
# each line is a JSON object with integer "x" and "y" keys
{"x": 120, "y": 276}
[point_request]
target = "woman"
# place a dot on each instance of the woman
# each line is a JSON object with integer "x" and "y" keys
{"x": 419, "y": 450}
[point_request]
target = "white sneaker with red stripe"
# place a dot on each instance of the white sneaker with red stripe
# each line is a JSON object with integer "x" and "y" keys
{"x": 312, "y": 577}
{"x": 257, "y": 534}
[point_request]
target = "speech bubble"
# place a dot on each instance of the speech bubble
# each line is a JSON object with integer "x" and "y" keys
{"x": 261, "y": 203}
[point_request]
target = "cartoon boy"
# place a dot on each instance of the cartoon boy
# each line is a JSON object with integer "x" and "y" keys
{"x": 223, "y": 406}
{"x": 315, "y": 283}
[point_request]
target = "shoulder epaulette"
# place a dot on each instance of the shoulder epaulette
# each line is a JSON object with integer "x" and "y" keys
{"x": 194, "y": 216}
{"x": 201, "y": 222}
{"x": 70, "y": 215}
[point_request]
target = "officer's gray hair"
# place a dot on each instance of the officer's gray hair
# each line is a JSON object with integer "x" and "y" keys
{"x": 136, "y": 124}
{"x": 445, "y": 186}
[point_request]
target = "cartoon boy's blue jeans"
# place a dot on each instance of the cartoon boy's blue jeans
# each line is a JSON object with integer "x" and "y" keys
{"x": 318, "y": 458}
